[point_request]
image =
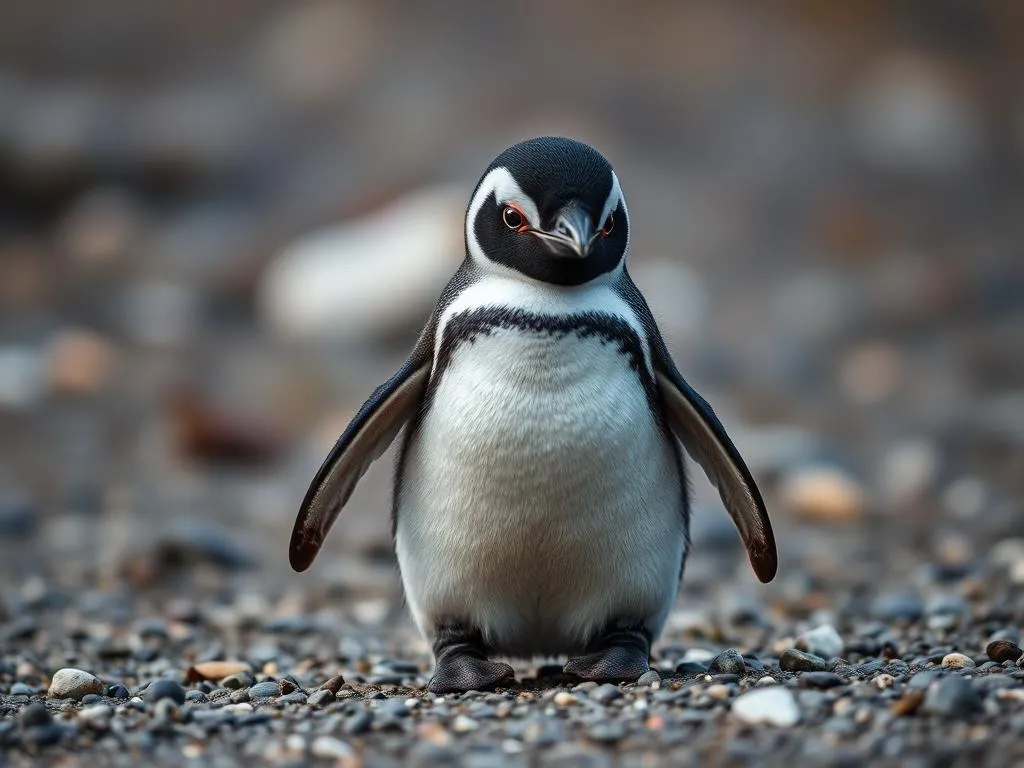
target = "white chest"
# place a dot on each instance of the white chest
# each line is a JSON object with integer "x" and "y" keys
{"x": 539, "y": 495}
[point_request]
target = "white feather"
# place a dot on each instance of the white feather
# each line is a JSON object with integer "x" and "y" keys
{"x": 539, "y": 498}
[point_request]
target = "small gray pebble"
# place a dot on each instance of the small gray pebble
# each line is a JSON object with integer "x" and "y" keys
{"x": 691, "y": 668}
{"x": 607, "y": 731}
{"x": 42, "y": 735}
{"x": 21, "y": 689}
{"x": 237, "y": 681}
{"x": 798, "y": 661}
{"x": 359, "y": 722}
{"x": 118, "y": 691}
{"x": 240, "y": 696}
{"x": 821, "y": 680}
{"x": 264, "y": 690}
{"x": 295, "y": 697}
{"x": 953, "y": 696}
{"x": 729, "y": 663}
{"x": 164, "y": 688}
{"x": 320, "y": 698}
{"x": 922, "y": 680}
{"x": 649, "y": 677}
{"x": 35, "y": 714}
{"x": 605, "y": 693}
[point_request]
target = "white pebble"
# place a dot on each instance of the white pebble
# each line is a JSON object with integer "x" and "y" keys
{"x": 766, "y": 680}
{"x": 957, "y": 661}
{"x": 331, "y": 748}
{"x": 822, "y": 641}
{"x": 69, "y": 683}
{"x": 774, "y": 705}
{"x": 463, "y": 724}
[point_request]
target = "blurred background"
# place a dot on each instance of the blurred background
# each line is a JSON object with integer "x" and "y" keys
{"x": 222, "y": 225}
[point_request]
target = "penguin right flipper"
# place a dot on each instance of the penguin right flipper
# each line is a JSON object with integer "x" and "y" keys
{"x": 364, "y": 440}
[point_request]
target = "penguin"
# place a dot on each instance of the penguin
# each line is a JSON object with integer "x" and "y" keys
{"x": 541, "y": 504}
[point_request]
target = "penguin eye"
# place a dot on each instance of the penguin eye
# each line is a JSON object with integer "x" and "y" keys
{"x": 609, "y": 225}
{"x": 513, "y": 218}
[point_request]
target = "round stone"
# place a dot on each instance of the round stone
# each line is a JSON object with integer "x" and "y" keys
{"x": 798, "y": 661}
{"x": 69, "y": 683}
{"x": 164, "y": 688}
{"x": 773, "y": 705}
{"x": 728, "y": 662}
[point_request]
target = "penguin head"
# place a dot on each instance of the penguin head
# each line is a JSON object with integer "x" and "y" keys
{"x": 551, "y": 209}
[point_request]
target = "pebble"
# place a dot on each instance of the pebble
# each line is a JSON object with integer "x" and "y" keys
{"x": 797, "y": 661}
{"x": 1003, "y": 650}
{"x": 367, "y": 278}
{"x": 821, "y": 680}
{"x": 952, "y": 696}
{"x": 70, "y": 683}
{"x": 649, "y": 678}
{"x": 265, "y": 690}
{"x": 34, "y": 714}
{"x": 822, "y": 641}
{"x": 20, "y": 689}
{"x": 237, "y": 680}
{"x": 319, "y": 698}
{"x": 330, "y": 748}
{"x": 215, "y": 670}
{"x": 823, "y": 494}
{"x": 605, "y": 693}
{"x": 18, "y": 515}
{"x": 691, "y": 668}
{"x": 728, "y": 662}
{"x": 564, "y": 699}
{"x": 607, "y": 731}
{"x": 333, "y": 684}
{"x": 957, "y": 661}
{"x": 773, "y": 705}
{"x": 164, "y": 688}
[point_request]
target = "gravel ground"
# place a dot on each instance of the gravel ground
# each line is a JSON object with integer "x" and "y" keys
{"x": 827, "y": 224}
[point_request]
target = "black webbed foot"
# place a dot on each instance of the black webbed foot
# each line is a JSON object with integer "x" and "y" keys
{"x": 621, "y": 654}
{"x": 461, "y": 663}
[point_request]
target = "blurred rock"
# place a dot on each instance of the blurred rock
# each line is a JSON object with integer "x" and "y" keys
{"x": 871, "y": 373}
{"x": 368, "y": 278}
{"x": 909, "y": 470}
{"x": 79, "y": 361}
{"x": 312, "y": 53}
{"x": 161, "y": 313}
{"x": 22, "y": 377}
{"x": 215, "y": 670}
{"x": 19, "y": 515}
{"x": 100, "y": 227}
{"x": 821, "y": 641}
{"x": 823, "y": 494}
{"x": 773, "y": 705}
{"x": 965, "y": 497}
{"x": 206, "y": 432}
{"x": 909, "y": 116}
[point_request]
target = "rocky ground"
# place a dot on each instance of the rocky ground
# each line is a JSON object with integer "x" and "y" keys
{"x": 220, "y": 229}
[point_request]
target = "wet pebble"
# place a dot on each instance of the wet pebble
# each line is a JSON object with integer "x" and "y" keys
{"x": 265, "y": 690}
{"x": 605, "y": 693}
{"x": 1004, "y": 650}
{"x": 793, "y": 660}
{"x": 728, "y": 662}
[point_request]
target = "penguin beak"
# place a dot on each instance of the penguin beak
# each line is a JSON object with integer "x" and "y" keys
{"x": 572, "y": 235}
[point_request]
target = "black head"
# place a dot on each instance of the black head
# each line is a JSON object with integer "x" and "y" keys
{"x": 551, "y": 209}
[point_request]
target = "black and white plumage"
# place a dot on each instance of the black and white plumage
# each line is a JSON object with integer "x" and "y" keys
{"x": 541, "y": 504}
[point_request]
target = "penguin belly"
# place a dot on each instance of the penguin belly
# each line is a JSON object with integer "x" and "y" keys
{"x": 538, "y": 497}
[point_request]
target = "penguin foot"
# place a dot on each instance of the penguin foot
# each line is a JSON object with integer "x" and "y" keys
{"x": 461, "y": 663}
{"x": 621, "y": 655}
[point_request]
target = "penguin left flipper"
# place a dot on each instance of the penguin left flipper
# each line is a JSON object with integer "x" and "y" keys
{"x": 695, "y": 425}
{"x": 367, "y": 436}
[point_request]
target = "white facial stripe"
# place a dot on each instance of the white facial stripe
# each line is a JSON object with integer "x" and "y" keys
{"x": 506, "y": 190}
{"x": 614, "y": 196}
{"x": 542, "y": 299}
